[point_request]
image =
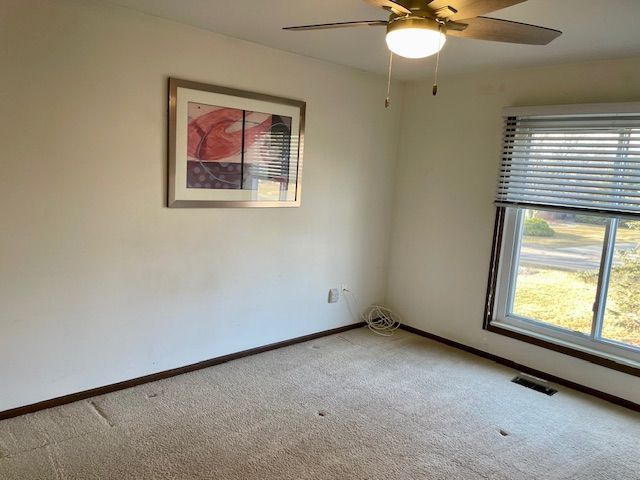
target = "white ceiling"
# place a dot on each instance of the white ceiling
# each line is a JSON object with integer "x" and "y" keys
{"x": 593, "y": 29}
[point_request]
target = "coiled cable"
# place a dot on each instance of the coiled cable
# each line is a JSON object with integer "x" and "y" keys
{"x": 379, "y": 319}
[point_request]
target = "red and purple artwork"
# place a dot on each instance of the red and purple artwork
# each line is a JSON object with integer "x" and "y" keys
{"x": 228, "y": 148}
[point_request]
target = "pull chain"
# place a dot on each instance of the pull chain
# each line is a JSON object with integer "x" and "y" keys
{"x": 387, "y": 101}
{"x": 435, "y": 80}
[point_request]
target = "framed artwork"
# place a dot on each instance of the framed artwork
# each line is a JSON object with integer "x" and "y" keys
{"x": 232, "y": 148}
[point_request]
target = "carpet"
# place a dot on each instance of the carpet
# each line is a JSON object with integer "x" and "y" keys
{"x": 349, "y": 406}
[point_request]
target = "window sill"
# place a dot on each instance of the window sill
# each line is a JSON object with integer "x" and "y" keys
{"x": 606, "y": 360}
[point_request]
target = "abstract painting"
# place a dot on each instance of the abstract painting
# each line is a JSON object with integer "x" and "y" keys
{"x": 233, "y": 148}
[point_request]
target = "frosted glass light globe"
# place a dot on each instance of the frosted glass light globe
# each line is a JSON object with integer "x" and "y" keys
{"x": 415, "y": 40}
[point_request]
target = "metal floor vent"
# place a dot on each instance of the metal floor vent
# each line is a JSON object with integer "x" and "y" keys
{"x": 534, "y": 384}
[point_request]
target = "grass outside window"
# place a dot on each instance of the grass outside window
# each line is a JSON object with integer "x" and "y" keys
{"x": 557, "y": 275}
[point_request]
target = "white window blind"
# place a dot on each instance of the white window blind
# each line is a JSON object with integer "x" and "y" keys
{"x": 577, "y": 157}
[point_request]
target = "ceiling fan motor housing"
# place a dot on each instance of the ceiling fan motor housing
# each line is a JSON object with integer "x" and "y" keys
{"x": 399, "y": 23}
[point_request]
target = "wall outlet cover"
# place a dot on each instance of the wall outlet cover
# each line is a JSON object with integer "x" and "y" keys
{"x": 334, "y": 295}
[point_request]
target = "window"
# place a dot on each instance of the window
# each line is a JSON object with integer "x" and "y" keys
{"x": 566, "y": 264}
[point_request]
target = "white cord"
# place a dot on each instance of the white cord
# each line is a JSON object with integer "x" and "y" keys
{"x": 387, "y": 101}
{"x": 379, "y": 319}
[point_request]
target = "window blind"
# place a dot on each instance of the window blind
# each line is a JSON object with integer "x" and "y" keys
{"x": 576, "y": 160}
{"x": 270, "y": 158}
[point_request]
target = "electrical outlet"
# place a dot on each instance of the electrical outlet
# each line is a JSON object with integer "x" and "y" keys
{"x": 334, "y": 295}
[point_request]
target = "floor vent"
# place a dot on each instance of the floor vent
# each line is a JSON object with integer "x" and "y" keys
{"x": 535, "y": 384}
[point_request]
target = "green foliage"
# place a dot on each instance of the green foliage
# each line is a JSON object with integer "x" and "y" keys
{"x": 537, "y": 227}
{"x": 595, "y": 220}
{"x": 591, "y": 219}
{"x": 625, "y": 277}
{"x": 633, "y": 225}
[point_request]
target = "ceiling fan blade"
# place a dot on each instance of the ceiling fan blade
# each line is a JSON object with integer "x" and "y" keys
{"x": 325, "y": 26}
{"x": 485, "y": 28}
{"x": 395, "y": 7}
{"x": 456, "y": 26}
{"x": 469, "y": 8}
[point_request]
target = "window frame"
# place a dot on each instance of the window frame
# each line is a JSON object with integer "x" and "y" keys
{"x": 502, "y": 276}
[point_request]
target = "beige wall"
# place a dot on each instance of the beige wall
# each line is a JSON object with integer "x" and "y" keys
{"x": 99, "y": 281}
{"x": 444, "y": 215}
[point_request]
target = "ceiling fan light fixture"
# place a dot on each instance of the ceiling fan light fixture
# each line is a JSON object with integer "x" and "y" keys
{"x": 415, "y": 37}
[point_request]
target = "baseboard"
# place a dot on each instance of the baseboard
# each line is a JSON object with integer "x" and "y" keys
{"x": 74, "y": 397}
{"x": 531, "y": 371}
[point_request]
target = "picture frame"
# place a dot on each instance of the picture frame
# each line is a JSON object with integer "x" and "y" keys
{"x": 233, "y": 148}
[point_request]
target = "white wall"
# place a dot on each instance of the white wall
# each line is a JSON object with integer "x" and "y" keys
{"x": 444, "y": 215}
{"x": 99, "y": 282}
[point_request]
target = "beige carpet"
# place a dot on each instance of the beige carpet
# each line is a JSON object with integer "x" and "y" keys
{"x": 349, "y": 406}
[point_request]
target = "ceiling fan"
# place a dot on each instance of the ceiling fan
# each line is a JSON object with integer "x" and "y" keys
{"x": 419, "y": 28}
